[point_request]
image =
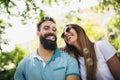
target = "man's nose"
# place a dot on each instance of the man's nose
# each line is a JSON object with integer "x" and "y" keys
{"x": 51, "y": 31}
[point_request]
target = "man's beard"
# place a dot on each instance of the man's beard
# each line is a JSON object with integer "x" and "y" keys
{"x": 48, "y": 44}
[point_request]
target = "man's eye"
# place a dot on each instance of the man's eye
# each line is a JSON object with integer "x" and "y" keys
{"x": 54, "y": 29}
{"x": 46, "y": 27}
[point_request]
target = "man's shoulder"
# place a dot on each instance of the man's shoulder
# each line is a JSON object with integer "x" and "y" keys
{"x": 65, "y": 54}
{"x": 29, "y": 57}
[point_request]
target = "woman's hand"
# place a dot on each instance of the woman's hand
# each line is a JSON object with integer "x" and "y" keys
{"x": 62, "y": 49}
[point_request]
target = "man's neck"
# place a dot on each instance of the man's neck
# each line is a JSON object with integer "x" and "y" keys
{"x": 45, "y": 54}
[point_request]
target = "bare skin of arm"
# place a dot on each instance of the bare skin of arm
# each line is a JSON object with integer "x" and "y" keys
{"x": 114, "y": 66}
{"x": 73, "y": 77}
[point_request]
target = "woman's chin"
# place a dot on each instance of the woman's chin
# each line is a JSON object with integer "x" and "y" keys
{"x": 70, "y": 43}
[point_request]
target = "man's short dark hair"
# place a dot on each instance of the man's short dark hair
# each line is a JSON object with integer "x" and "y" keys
{"x": 43, "y": 19}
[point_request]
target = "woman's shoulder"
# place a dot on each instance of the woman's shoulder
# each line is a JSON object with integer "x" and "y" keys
{"x": 102, "y": 43}
{"x": 105, "y": 48}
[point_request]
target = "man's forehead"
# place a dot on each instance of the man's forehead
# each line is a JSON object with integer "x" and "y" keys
{"x": 48, "y": 23}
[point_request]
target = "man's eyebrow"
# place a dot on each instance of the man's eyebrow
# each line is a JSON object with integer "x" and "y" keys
{"x": 46, "y": 26}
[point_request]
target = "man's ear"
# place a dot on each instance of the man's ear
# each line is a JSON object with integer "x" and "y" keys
{"x": 37, "y": 33}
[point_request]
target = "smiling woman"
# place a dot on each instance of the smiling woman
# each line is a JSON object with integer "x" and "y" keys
{"x": 91, "y": 56}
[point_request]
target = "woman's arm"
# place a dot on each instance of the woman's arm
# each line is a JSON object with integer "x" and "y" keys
{"x": 73, "y": 77}
{"x": 114, "y": 66}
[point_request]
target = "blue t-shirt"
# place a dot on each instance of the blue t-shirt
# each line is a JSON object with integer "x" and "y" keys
{"x": 58, "y": 67}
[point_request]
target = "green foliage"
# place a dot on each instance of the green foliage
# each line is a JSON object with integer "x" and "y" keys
{"x": 93, "y": 32}
{"x": 116, "y": 43}
{"x": 115, "y": 22}
{"x": 114, "y": 39}
{"x": 9, "y": 62}
{"x": 106, "y": 5}
{"x": 3, "y": 26}
{"x": 6, "y": 4}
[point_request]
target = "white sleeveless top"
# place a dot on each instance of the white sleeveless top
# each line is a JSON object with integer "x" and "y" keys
{"x": 104, "y": 51}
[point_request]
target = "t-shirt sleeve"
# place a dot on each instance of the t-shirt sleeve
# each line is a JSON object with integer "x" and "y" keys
{"x": 107, "y": 49}
{"x": 19, "y": 71}
{"x": 72, "y": 67}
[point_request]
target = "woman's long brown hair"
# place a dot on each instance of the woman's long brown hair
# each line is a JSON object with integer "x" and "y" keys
{"x": 84, "y": 43}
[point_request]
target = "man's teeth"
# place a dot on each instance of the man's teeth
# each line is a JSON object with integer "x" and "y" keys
{"x": 52, "y": 38}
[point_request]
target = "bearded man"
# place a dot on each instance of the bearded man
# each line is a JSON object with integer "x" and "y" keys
{"x": 47, "y": 62}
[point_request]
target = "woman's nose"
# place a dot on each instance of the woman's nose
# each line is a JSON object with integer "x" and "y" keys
{"x": 66, "y": 33}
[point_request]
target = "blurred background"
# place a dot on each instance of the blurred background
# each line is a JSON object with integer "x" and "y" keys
{"x": 18, "y": 19}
